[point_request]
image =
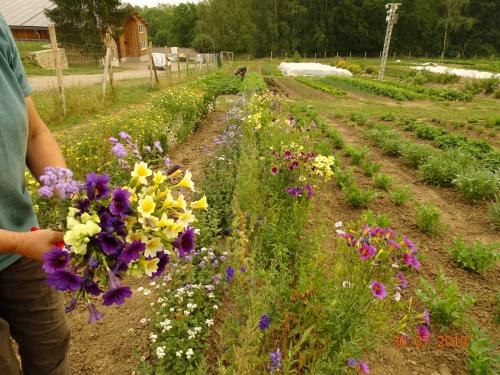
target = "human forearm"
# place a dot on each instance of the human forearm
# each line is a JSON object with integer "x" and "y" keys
{"x": 9, "y": 241}
{"x": 43, "y": 150}
{"x": 29, "y": 244}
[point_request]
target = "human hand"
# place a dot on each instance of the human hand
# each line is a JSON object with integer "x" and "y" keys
{"x": 35, "y": 243}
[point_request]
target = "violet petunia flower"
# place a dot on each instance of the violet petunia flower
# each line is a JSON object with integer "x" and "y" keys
{"x": 132, "y": 251}
{"x": 411, "y": 260}
{"x": 164, "y": 259}
{"x": 109, "y": 244}
{"x": 264, "y": 322}
{"x": 310, "y": 191}
{"x": 351, "y": 362}
{"x": 185, "y": 242}
{"x": 97, "y": 186}
{"x": 64, "y": 280}
{"x": 55, "y": 259}
{"x": 120, "y": 202}
{"x": 71, "y": 305}
{"x": 378, "y": 290}
{"x": 116, "y": 296}
{"x": 94, "y": 314}
{"x": 229, "y": 274}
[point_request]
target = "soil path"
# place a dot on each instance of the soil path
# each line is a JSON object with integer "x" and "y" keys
{"x": 114, "y": 345}
{"x": 463, "y": 219}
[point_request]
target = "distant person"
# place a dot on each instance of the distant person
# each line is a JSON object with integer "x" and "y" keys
{"x": 31, "y": 312}
{"x": 241, "y": 71}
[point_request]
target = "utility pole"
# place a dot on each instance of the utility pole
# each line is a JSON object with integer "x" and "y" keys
{"x": 391, "y": 19}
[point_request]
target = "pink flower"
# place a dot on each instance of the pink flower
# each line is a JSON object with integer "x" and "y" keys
{"x": 423, "y": 332}
{"x": 363, "y": 367}
{"x": 367, "y": 251}
{"x": 403, "y": 283}
{"x": 411, "y": 260}
{"x": 275, "y": 170}
{"x": 378, "y": 290}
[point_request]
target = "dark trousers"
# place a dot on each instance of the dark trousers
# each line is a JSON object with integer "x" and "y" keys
{"x": 33, "y": 314}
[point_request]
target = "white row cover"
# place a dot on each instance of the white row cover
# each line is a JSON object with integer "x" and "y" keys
{"x": 467, "y": 73}
{"x": 311, "y": 69}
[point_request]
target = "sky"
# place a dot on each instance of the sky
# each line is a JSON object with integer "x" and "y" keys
{"x": 152, "y": 3}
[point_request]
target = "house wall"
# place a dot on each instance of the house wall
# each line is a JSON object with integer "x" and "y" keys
{"x": 30, "y": 34}
{"x": 134, "y": 40}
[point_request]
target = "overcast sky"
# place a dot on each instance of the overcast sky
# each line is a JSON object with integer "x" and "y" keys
{"x": 152, "y": 3}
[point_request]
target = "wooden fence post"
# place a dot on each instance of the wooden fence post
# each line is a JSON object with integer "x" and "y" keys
{"x": 365, "y": 55}
{"x": 57, "y": 60}
{"x": 167, "y": 69}
{"x": 152, "y": 66}
{"x": 271, "y": 55}
{"x": 178, "y": 65}
{"x": 187, "y": 64}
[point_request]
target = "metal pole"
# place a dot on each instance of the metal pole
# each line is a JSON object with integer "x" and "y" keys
{"x": 391, "y": 20}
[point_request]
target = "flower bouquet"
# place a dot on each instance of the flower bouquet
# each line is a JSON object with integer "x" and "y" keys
{"x": 112, "y": 231}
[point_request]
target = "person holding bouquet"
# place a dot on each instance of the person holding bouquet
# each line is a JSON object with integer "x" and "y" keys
{"x": 31, "y": 312}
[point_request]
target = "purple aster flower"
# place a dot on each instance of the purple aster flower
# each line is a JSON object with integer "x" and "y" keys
{"x": 94, "y": 314}
{"x": 45, "y": 192}
{"x": 147, "y": 148}
{"x": 58, "y": 182}
{"x": 275, "y": 170}
{"x": 132, "y": 251}
{"x": 351, "y": 362}
{"x": 410, "y": 245}
{"x": 157, "y": 145}
{"x": 113, "y": 140}
{"x": 119, "y": 150}
{"x": 229, "y": 274}
{"x": 166, "y": 161}
{"x": 393, "y": 245}
{"x": 161, "y": 264}
{"x": 109, "y": 244}
{"x": 275, "y": 358}
{"x": 202, "y": 264}
{"x": 93, "y": 263}
{"x": 424, "y": 332}
{"x": 411, "y": 260}
{"x": 402, "y": 281}
{"x": 363, "y": 367}
{"x": 120, "y": 202}
{"x": 97, "y": 186}
{"x": 71, "y": 305}
{"x": 124, "y": 135}
{"x": 264, "y": 322}
{"x": 185, "y": 242}
{"x": 64, "y": 280}
{"x": 367, "y": 251}
{"x": 310, "y": 191}
{"x": 55, "y": 259}
{"x": 378, "y": 290}
{"x": 243, "y": 269}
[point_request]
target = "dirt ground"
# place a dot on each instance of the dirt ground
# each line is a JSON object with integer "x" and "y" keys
{"x": 461, "y": 218}
{"x": 114, "y": 345}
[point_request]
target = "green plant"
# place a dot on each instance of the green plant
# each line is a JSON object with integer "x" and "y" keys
{"x": 483, "y": 357}
{"x": 388, "y": 117}
{"x": 392, "y": 145}
{"x": 494, "y": 213}
{"x": 370, "y": 168}
{"x": 357, "y": 197}
{"x": 321, "y": 86}
{"x": 441, "y": 169}
{"x": 416, "y": 154}
{"x": 477, "y": 184}
{"x": 296, "y": 56}
{"x": 428, "y": 219}
{"x": 357, "y": 154}
{"x": 401, "y": 195}
{"x": 425, "y": 131}
{"x": 345, "y": 178}
{"x": 445, "y": 302}
{"x": 382, "y": 181}
{"x": 267, "y": 70}
{"x": 375, "y": 220}
{"x": 477, "y": 257}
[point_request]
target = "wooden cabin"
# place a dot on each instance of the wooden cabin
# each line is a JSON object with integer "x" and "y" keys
{"x": 26, "y": 18}
{"x": 133, "y": 42}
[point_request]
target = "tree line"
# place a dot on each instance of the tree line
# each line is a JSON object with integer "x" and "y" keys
{"x": 451, "y": 28}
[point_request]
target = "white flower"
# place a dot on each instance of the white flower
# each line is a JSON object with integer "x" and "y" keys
{"x": 140, "y": 289}
{"x": 186, "y": 313}
{"x": 143, "y": 321}
{"x": 152, "y": 283}
{"x": 153, "y": 337}
{"x": 211, "y": 295}
{"x": 346, "y": 284}
{"x": 209, "y": 322}
{"x": 395, "y": 265}
{"x": 160, "y": 352}
{"x": 197, "y": 329}
{"x": 340, "y": 232}
{"x": 397, "y": 297}
{"x": 178, "y": 353}
{"x": 146, "y": 292}
{"x": 189, "y": 353}
{"x": 163, "y": 304}
{"x": 152, "y": 304}
{"x": 215, "y": 307}
{"x": 339, "y": 224}
{"x": 172, "y": 309}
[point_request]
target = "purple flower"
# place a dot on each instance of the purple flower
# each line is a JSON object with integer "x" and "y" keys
{"x": 120, "y": 202}
{"x": 97, "y": 186}
{"x": 45, "y": 192}
{"x": 71, "y": 305}
{"x": 94, "y": 314}
{"x": 92, "y": 288}
{"x": 216, "y": 279}
{"x": 166, "y": 161}
{"x": 403, "y": 283}
{"x": 64, "y": 280}
{"x": 124, "y": 135}
{"x": 363, "y": 367}
{"x": 119, "y": 150}
{"x": 293, "y": 191}
{"x": 264, "y": 322}
{"x": 116, "y": 296}
{"x": 275, "y": 358}
{"x": 55, "y": 259}
{"x": 310, "y": 191}
{"x": 411, "y": 260}
{"x": 367, "y": 251}
{"x": 427, "y": 318}
{"x": 424, "y": 332}
{"x": 147, "y": 148}
{"x": 351, "y": 362}
{"x": 173, "y": 169}
{"x": 185, "y": 242}
{"x": 410, "y": 245}
{"x": 288, "y": 154}
{"x": 157, "y": 145}
{"x": 243, "y": 269}
{"x": 275, "y": 170}
{"x": 229, "y": 274}
{"x": 113, "y": 140}
{"x": 161, "y": 264}
{"x": 109, "y": 244}
{"x": 393, "y": 245}
{"x": 58, "y": 182}
{"x": 378, "y": 290}
{"x": 132, "y": 251}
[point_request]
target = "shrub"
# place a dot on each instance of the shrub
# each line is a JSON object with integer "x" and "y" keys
{"x": 357, "y": 197}
{"x": 428, "y": 219}
{"x": 296, "y": 56}
{"x": 400, "y": 195}
{"x": 370, "y": 168}
{"x": 442, "y": 168}
{"x": 375, "y": 220}
{"x": 476, "y": 257}
{"x": 382, "y": 181}
{"x": 445, "y": 302}
{"x": 477, "y": 184}
{"x": 357, "y": 154}
{"x": 425, "y": 131}
{"x": 483, "y": 359}
{"x": 416, "y": 154}
{"x": 388, "y": 117}
{"x": 494, "y": 213}
{"x": 371, "y": 69}
{"x": 345, "y": 178}
{"x": 392, "y": 145}
{"x": 267, "y": 70}
{"x": 203, "y": 43}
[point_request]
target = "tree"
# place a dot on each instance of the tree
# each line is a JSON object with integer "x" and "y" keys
{"x": 203, "y": 43}
{"x": 87, "y": 21}
{"x": 454, "y": 19}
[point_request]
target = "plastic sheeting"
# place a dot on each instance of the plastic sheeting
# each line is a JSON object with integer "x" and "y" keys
{"x": 311, "y": 69}
{"x": 467, "y": 73}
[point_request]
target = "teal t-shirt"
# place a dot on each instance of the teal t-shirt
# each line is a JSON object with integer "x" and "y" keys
{"x": 16, "y": 208}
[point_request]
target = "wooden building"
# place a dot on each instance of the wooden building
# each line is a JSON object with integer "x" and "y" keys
{"x": 26, "y": 18}
{"x": 133, "y": 43}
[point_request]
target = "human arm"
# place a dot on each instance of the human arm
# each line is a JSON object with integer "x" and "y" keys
{"x": 29, "y": 244}
{"x": 43, "y": 150}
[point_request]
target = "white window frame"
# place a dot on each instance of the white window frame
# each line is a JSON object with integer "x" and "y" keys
{"x": 141, "y": 28}
{"x": 144, "y": 44}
